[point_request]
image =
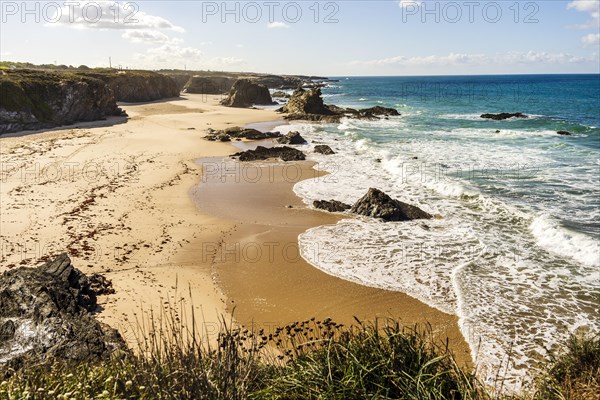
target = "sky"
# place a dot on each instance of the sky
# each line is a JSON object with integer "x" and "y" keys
{"x": 327, "y": 38}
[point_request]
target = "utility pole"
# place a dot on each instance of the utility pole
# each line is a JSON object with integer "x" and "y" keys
{"x": 109, "y": 62}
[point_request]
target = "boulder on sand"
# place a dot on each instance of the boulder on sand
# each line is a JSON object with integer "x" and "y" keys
{"x": 324, "y": 149}
{"x": 246, "y": 93}
{"x": 292, "y": 138}
{"x": 377, "y": 204}
{"x": 263, "y": 153}
{"x": 331, "y": 205}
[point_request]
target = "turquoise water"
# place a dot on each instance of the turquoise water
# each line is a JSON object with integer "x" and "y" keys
{"x": 516, "y": 252}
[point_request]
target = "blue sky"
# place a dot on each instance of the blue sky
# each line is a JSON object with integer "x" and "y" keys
{"x": 401, "y": 37}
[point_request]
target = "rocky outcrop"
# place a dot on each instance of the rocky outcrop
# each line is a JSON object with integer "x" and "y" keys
{"x": 282, "y": 95}
{"x": 331, "y": 205}
{"x": 306, "y": 102}
{"x": 308, "y": 105}
{"x": 240, "y": 133}
{"x": 324, "y": 149}
{"x": 377, "y": 204}
{"x": 180, "y": 78}
{"x": 376, "y": 112}
{"x": 503, "y": 116}
{"x": 137, "y": 86}
{"x": 564, "y": 133}
{"x": 292, "y": 138}
{"x": 284, "y": 153}
{"x": 279, "y": 82}
{"x": 209, "y": 84}
{"x": 45, "y": 315}
{"x": 31, "y": 100}
{"x": 246, "y": 93}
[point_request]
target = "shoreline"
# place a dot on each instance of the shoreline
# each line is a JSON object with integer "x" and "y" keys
{"x": 258, "y": 266}
{"x": 138, "y": 225}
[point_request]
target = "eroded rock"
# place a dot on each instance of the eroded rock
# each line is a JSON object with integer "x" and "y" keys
{"x": 503, "y": 116}
{"x": 246, "y": 93}
{"x": 45, "y": 315}
{"x": 284, "y": 153}
{"x": 377, "y": 204}
{"x": 331, "y": 205}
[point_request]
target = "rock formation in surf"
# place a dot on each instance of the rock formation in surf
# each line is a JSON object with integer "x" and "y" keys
{"x": 46, "y": 315}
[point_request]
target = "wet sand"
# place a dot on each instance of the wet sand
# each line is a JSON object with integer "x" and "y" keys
{"x": 257, "y": 264}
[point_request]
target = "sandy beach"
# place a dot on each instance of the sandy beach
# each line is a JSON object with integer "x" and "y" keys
{"x": 122, "y": 198}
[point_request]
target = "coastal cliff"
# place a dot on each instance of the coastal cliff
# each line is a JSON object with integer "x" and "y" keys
{"x": 137, "y": 86}
{"x": 32, "y": 100}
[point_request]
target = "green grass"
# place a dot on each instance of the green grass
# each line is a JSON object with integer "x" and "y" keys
{"x": 305, "y": 360}
{"x": 573, "y": 374}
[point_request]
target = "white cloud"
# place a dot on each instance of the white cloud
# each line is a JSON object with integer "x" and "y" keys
{"x": 589, "y": 6}
{"x": 591, "y": 39}
{"x": 277, "y": 25}
{"x": 145, "y": 36}
{"x": 223, "y": 62}
{"x": 107, "y": 15}
{"x": 168, "y": 55}
{"x": 453, "y": 59}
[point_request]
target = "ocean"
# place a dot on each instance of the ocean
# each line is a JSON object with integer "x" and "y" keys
{"x": 515, "y": 254}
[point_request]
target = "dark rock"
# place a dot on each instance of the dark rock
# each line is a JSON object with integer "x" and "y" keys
{"x": 377, "y": 204}
{"x": 138, "y": 86}
{"x": 281, "y": 94}
{"x": 263, "y": 153}
{"x": 240, "y": 133}
{"x": 292, "y": 138}
{"x": 497, "y": 131}
{"x": 503, "y": 116}
{"x": 324, "y": 149}
{"x": 45, "y": 315}
{"x": 250, "y": 134}
{"x": 369, "y": 113}
{"x": 246, "y": 93}
{"x": 101, "y": 285}
{"x": 306, "y": 102}
{"x": 331, "y": 205}
{"x": 209, "y": 84}
{"x": 308, "y": 105}
{"x": 221, "y": 137}
{"x": 279, "y": 82}
{"x": 564, "y": 133}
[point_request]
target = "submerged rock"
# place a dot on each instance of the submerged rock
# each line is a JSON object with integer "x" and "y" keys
{"x": 324, "y": 149}
{"x": 263, "y": 153}
{"x": 45, "y": 315}
{"x": 246, "y": 93}
{"x": 503, "y": 116}
{"x": 377, "y": 204}
{"x": 292, "y": 138}
{"x": 331, "y": 205}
